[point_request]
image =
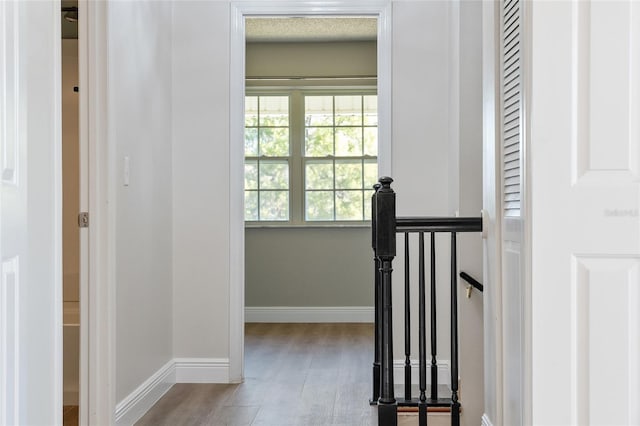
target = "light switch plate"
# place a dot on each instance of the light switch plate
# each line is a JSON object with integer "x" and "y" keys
{"x": 125, "y": 177}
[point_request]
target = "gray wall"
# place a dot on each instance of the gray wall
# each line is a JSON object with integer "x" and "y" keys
{"x": 311, "y": 59}
{"x": 308, "y": 267}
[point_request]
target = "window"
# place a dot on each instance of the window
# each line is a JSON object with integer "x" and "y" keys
{"x": 267, "y": 156}
{"x": 310, "y": 156}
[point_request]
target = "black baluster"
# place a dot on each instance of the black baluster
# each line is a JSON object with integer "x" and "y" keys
{"x": 422, "y": 404}
{"x": 434, "y": 335}
{"x": 407, "y": 322}
{"x": 455, "y": 405}
{"x": 377, "y": 304}
{"x": 386, "y": 251}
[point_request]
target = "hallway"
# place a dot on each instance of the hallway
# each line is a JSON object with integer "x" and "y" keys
{"x": 295, "y": 374}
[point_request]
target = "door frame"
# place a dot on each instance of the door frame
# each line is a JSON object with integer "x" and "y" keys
{"x": 498, "y": 227}
{"x": 239, "y": 10}
{"x": 97, "y": 288}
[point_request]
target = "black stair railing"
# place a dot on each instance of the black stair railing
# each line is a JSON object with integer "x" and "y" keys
{"x": 385, "y": 226}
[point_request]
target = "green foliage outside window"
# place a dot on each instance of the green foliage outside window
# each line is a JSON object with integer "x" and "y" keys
{"x": 337, "y": 154}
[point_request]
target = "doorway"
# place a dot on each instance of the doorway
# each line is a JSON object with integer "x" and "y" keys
{"x": 71, "y": 247}
{"x": 75, "y": 219}
{"x": 237, "y": 151}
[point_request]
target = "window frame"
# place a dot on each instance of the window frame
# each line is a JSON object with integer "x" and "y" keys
{"x": 297, "y": 161}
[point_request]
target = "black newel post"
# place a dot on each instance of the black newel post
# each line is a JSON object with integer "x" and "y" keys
{"x": 386, "y": 251}
{"x": 377, "y": 303}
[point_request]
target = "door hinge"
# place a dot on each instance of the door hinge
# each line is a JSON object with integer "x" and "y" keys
{"x": 83, "y": 220}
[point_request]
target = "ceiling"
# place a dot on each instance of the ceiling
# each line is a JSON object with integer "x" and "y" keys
{"x": 311, "y": 29}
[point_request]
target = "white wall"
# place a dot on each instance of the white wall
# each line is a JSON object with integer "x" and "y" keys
{"x": 201, "y": 179}
{"x": 139, "y": 93}
{"x": 466, "y": 144}
{"x": 420, "y": 145}
{"x": 437, "y": 165}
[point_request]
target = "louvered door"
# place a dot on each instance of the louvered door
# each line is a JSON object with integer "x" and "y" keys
{"x": 511, "y": 106}
{"x": 511, "y": 144}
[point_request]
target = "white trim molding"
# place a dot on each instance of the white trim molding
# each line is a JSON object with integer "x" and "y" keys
{"x": 201, "y": 370}
{"x": 178, "y": 370}
{"x": 138, "y": 402}
{"x": 486, "y": 421}
{"x": 97, "y": 304}
{"x": 382, "y": 9}
{"x": 9, "y": 341}
{"x": 307, "y": 314}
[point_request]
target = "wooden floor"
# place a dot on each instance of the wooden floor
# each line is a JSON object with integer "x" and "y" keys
{"x": 295, "y": 374}
{"x": 70, "y": 415}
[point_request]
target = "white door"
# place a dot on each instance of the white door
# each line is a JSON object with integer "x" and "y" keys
{"x": 585, "y": 175}
{"x": 30, "y": 214}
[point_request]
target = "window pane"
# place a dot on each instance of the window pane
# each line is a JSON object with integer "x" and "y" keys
{"x": 318, "y": 142}
{"x": 348, "y": 175}
{"x": 274, "y": 205}
{"x": 319, "y": 175}
{"x": 348, "y": 141}
{"x": 367, "y": 204}
{"x": 274, "y": 142}
{"x": 370, "y": 110}
{"x": 318, "y": 110}
{"x": 274, "y": 175}
{"x": 251, "y": 142}
{"x": 251, "y": 111}
{"x": 250, "y": 205}
{"x": 319, "y": 205}
{"x": 348, "y": 205}
{"x": 251, "y": 175}
{"x": 371, "y": 141}
{"x": 274, "y": 111}
{"x": 348, "y": 110}
{"x": 370, "y": 173}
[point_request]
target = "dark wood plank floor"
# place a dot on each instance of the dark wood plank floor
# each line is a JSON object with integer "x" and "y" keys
{"x": 295, "y": 374}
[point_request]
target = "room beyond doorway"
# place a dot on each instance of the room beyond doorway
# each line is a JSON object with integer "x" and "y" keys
{"x": 383, "y": 50}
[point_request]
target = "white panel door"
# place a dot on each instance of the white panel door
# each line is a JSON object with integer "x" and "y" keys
{"x": 585, "y": 164}
{"x": 30, "y": 214}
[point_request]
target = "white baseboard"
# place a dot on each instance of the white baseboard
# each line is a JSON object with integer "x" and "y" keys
{"x": 178, "y": 370}
{"x": 486, "y": 421}
{"x": 304, "y": 314}
{"x": 202, "y": 370}
{"x": 138, "y": 402}
{"x": 444, "y": 373}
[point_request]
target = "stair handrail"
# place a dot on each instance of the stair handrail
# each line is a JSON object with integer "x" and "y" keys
{"x": 385, "y": 225}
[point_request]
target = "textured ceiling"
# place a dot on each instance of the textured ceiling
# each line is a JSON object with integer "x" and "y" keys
{"x": 316, "y": 29}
